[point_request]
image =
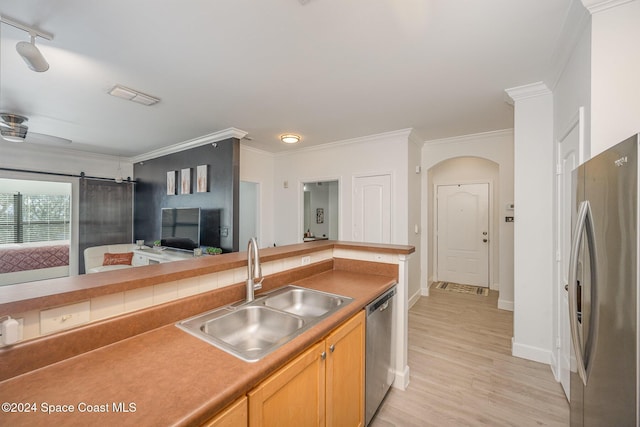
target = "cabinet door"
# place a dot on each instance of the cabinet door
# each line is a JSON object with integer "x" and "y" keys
{"x": 234, "y": 415}
{"x": 345, "y": 374}
{"x": 293, "y": 396}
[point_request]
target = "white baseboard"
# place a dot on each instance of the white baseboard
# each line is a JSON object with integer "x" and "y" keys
{"x": 414, "y": 298}
{"x": 425, "y": 291}
{"x": 530, "y": 353}
{"x": 554, "y": 367}
{"x": 505, "y": 304}
{"x": 401, "y": 381}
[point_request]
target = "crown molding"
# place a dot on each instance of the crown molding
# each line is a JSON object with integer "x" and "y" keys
{"x": 414, "y": 138}
{"x": 473, "y": 137}
{"x": 532, "y": 90}
{"x": 192, "y": 143}
{"x": 595, "y": 6}
{"x": 260, "y": 151}
{"x": 403, "y": 133}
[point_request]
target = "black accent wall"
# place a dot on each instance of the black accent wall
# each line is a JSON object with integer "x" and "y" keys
{"x": 219, "y": 205}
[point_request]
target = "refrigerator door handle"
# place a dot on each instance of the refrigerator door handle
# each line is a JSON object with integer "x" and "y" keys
{"x": 584, "y": 222}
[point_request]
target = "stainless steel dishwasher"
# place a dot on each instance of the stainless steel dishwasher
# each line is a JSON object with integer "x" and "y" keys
{"x": 379, "y": 372}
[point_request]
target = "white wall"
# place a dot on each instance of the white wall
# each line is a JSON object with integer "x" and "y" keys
{"x": 42, "y": 158}
{"x": 249, "y": 213}
{"x": 571, "y": 92}
{"x": 533, "y": 236}
{"x": 498, "y": 148}
{"x": 257, "y": 166}
{"x": 388, "y": 153}
{"x": 615, "y": 71}
{"x": 385, "y": 153}
{"x": 414, "y": 220}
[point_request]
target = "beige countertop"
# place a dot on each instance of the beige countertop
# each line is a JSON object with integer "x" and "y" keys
{"x": 165, "y": 376}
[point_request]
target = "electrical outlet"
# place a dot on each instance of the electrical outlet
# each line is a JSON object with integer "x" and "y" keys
{"x": 65, "y": 317}
{"x": 306, "y": 260}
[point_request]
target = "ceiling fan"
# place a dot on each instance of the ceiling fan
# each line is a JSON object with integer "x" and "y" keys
{"x": 13, "y": 129}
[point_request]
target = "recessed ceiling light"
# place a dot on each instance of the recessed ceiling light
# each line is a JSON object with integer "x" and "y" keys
{"x": 133, "y": 95}
{"x": 290, "y": 139}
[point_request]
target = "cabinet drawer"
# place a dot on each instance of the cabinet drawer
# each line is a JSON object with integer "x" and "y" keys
{"x": 139, "y": 260}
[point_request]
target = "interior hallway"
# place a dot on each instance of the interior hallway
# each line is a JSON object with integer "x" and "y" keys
{"x": 462, "y": 371}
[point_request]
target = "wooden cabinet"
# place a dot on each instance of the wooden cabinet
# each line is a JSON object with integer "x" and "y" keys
{"x": 322, "y": 386}
{"x": 293, "y": 396}
{"x": 234, "y": 415}
{"x": 345, "y": 374}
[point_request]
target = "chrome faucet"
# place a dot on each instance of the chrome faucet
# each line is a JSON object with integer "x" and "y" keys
{"x": 254, "y": 271}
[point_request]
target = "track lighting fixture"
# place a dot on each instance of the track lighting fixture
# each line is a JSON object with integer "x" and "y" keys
{"x": 32, "y": 55}
{"x": 28, "y": 50}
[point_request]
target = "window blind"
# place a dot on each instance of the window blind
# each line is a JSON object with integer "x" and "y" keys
{"x": 34, "y": 217}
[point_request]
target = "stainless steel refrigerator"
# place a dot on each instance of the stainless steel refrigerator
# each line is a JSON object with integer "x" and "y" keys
{"x": 603, "y": 290}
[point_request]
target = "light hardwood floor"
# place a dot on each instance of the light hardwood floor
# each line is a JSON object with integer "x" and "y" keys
{"x": 463, "y": 374}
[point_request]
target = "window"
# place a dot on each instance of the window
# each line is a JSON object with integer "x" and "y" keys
{"x": 34, "y": 217}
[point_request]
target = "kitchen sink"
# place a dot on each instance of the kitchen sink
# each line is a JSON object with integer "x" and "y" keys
{"x": 303, "y": 302}
{"x": 254, "y": 329}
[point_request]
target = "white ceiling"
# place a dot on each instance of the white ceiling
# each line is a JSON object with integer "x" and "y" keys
{"x": 328, "y": 70}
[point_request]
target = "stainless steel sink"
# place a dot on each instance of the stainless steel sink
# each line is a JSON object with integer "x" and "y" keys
{"x": 303, "y": 302}
{"x": 252, "y": 330}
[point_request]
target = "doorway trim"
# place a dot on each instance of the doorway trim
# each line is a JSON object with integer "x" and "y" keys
{"x": 75, "y": 209}
{"x": 492, "y": 237}
{"x": 301, "y": 183}
{"x": 560, "y": 363}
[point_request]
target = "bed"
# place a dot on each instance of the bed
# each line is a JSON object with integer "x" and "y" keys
{"x": 27, "y": 262}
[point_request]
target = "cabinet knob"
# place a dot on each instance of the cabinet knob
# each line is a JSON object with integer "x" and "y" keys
{"x": 332, "y": 348}
{"x": 323, "y": 355}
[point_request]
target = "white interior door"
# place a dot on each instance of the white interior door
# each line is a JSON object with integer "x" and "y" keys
{"x": 372, "y": 209}
{"x": 463, "y": 233}
{"x": 568, "y": 160}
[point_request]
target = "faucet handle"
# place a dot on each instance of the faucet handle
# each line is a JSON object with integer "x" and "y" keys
{"x": 258, "y": 285}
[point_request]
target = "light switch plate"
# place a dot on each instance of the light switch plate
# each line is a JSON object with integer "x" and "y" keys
{"x": 65, "y": 317}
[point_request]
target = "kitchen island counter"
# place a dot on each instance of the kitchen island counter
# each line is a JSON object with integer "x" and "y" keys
{"x": 166, "y": 376}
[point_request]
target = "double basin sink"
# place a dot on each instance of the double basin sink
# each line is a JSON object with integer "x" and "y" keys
{"x": 254, "y": 329}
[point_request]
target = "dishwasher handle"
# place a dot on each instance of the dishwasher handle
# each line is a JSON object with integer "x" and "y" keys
{"x": 382, "y": 303}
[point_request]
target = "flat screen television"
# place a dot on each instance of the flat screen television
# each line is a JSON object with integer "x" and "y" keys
{"x": 180, "y": 228}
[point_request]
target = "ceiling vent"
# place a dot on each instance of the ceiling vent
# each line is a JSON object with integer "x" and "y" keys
{"x": 15, "y": 131}
{"x": 133, "y": 95}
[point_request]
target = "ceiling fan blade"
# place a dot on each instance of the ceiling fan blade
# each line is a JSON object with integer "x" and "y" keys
{"x": 40, "y": 138}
